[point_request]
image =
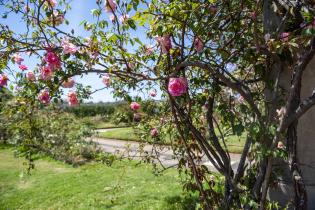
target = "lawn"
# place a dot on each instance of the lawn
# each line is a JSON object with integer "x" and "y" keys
{"x": 54, "y": 185}
{"x": 234, "y": 143}
{"x": 109, "y": 125}
{"x": 98, "y": 122}
{"x": 127, "y": 133}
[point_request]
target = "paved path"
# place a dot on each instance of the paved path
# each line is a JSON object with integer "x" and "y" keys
{"x": 137, "y": 150}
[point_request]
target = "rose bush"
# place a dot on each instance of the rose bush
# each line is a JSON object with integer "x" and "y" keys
{"x": 50, "y": 132}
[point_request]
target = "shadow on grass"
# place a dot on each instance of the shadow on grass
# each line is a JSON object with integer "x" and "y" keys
{"x": 5, "y": 145}
{"x": 181, "y": 202}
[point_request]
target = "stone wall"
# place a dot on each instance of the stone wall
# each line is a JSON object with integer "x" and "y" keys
{"x": 306, "y": 136}
{"x": 284, "y": 192}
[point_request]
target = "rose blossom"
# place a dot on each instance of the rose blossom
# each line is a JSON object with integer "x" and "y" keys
{"x": 134, "y": 106}
{"x": 285, "y": 36}
{"x": 106, "y": 80}
{"x": 72, "y": 99}
{"x": 52, "y": 60}
{"x": 123, "y": 19}
{"x": 30, "y": 76}
{"x": 23, "y": 67}
{"x": 112, "y": 18}
{"x": 68, "y": 47}
{"x": 177, "y": 86}
{"x": 17, "y": 58}
{"x": 154, "y": 132}
{"x": 280, "y": 145}
{"x": 241, "y": 99}
{"x": 148, "y": 50}
{"x": 57, "y": 18}
{"x": 153, "y": 93}
{"x": 3, "y": 80}
{"x": 110, "y": 5}
{"x": 253, "y": 15}
{"x": 165, "y": 43}
{"x": 52, "y": 3}
{"x": 44, "y": 96}
{"x": 198, "y": 44}
{"x": 69, "y": 83}
{"x": 46, "y": 73}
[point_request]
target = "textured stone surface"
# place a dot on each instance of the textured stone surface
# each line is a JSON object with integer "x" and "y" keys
{"x": 306, "y": 136}
{"x": 305, "y": 147}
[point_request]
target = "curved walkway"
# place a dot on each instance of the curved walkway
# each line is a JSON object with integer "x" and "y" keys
{"x": 140, "y": 150}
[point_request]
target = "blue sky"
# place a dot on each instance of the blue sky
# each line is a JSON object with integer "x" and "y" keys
{"x": 81, "y": 10}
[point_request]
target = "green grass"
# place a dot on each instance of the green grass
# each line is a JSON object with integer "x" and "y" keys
{"x": 234, "y": 143}
{"x": 54, "y": 185}
{"x": 98, "y": 122}
{"x": 109, "y": 125}
{"x": 127, "y": 133}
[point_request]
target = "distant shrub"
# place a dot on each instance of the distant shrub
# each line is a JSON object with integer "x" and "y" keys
{"x": 94, "y": 109}
{"x": 4, "y": 131}
{"x": 52, "y": 132}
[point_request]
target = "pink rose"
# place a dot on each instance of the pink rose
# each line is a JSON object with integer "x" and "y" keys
{"x": 241, "y": 99}
{"x": 253, "y": 15}
{"x": 285, "y": 36}
{"x": 112, "y": 18}
{"x": 68, "y": 47}
{"x": 52, "y": 3}
{"x": 165, "y": 43}
{"x": 134, "y": 106}
{"x": 110, "y": 5}
{"x": 17, "y": 58}
{"x": 148, "y": 50}
{"x": 46, "y": 73}
{"x": 3, "y": 80}
{"x": 153, "y": 93}
{"x": 23, "y": 67}
{"x": 52, "y": 60}
{"x": 198, "y": 44}
{"x": 56, "y": 18}
{"x": 106, "y": 80}
{"x": 124, "y": 18}
{"x": 69, "y": 83}
{"x": 72, "y": 99}
{"x": 154, "y": 132}
{"x": 30, "y": 76}
{"x": 177, "y": 86}
{"x": 44, "y": 96}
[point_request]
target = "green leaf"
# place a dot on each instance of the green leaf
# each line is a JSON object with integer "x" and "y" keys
{"x": 96, "y": 12}
{"x": 132, "y": 24}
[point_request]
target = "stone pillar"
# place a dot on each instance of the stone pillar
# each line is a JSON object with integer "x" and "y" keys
{"x": 306, "y": 136}
{"x": 284, "y": 192}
